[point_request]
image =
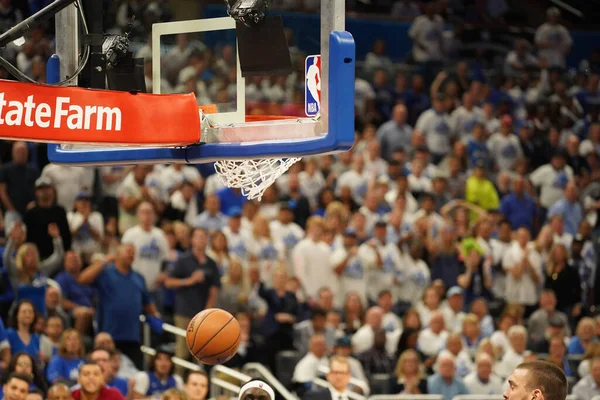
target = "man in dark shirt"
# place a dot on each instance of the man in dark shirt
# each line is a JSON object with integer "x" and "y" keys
{"x": 17, "y": 182}
{"x": 44, "y": 213}
{"x": 195, "y": 278}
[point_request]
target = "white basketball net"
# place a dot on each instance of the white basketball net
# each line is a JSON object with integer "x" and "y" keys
{"x": 253, "y": 177}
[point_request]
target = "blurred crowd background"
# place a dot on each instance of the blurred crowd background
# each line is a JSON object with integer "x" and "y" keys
{"x": 457, "y": 239}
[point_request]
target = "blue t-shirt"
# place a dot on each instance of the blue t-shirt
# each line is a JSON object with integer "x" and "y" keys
{"x": 122, "y": 298}
{"x": 120, "y": 384}
{"x": 157, "y": 387}
{"x": 520, "y": 212}
{"x": 74, "y": 291}
{"x": 3, "y": 335}
{"x": 575, "y": 346}
{"x": 17, "y": 346}
{"x": 65, "y": 368}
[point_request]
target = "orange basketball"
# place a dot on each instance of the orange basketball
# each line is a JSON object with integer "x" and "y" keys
{"x": 213, "y": 336}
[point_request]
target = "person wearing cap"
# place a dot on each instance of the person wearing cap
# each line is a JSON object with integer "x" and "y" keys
{"x": 255, "y": 389}
{"x": 435, "y": 126}
{"x": 236, "y": 239}
{"x": 553, "y": 40}
{"x": 551, "y": 179}
{"x": 42, "y": 216}
{"x": 158, "y": 378}
{"x": 87, "y": 226}
{"x": 452, "y": 309}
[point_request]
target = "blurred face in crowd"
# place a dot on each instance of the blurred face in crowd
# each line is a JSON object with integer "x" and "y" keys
{"x": 52, "y": 298}
{"x": 385, "y": 302}
{"x": 455, "y": 302}
{"x": 91, "y": 378}
{"x": 72, "y": 343}
{"x": 235, "y": 223}
{"x": 146, "y": 215}
{"x": 557, "y": 347}
{"x": 446, "y": 368}
{"x": 25, "y": 314}
{"x": 102, "y": 358}
{"x": 558, "y": 162}
{"x": 517, "y": 342}
{"x": 24, "y": 365}
{"x": 54, "y": 328}
{"x": 212, "y": 204}
{"x": 279, "y": 279}
{"x": 20, "y": 153}
{"x": 484, "y": 367}
{"x": 127, "y": 254}
{"x": 399, "y": 114}
{"x": 557, "y": 224}
{"x": 349, "y": 241}
{"x": 522, "y": 237}
{"x": 571, "y": 193}
{"x": 15, "y": 389}
{"x": 162, "y": 364}
{"x": 317, "y": 345}
{"x": 59, "y": 391}
{"x": 103, "y": 340}
{"x": 431, "y": 299}
{"x": 505, "y": 232}
{"x": 199, "y": 240}
{"x": 437, "y": 323}
{"x": 196, "y": 386}
{"x": 325, "y": 299}
{"x": 374, "y": 317}
{"x": 454, "y": 344}
{"x": 140, "y": 172}
{"x": 318, "y": 322}
{"x": 471, "y": 330}
{"x": 72, "y": 262}
{"x": 34, "y": 396}
{"x": 339, "y": 375}
{"x": 333, "y": 319}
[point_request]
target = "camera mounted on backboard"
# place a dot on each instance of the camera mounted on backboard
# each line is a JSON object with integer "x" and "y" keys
{"x": 248, "y": 12}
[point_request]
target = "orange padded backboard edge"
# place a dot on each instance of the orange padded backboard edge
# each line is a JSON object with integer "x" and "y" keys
{"x": 44, "y": 113}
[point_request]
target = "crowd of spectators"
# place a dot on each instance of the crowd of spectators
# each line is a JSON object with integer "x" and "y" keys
{"x": 457, "y": 239}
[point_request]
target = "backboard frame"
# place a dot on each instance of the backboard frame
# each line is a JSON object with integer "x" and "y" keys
{"x": 332, "y": 131}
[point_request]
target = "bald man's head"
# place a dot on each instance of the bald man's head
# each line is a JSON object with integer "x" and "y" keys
{"x": 59, "y": 391}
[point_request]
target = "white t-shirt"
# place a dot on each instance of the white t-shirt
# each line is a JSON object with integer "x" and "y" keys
{"x": 190, "y": 207}
{"x": 413, "y": 277}
{"x": 425, "y": 313}
{"x": 83, "y": 241}
{"x": 380, "y": 278}
{"x": 311, "y": 186}
{"x": 307, "y": 368}
{"x": 419, "y": 183}
{"x": 453, "y": 320}
{"x": 429, "y": 34}
{"x": 269, "y": 253}
{"x": 561, "y": 41}
{"x": 290, "y": 234}
{"x": 364, "y": 338}
{"x": 151, "y": 250}
{"x": 110, "y": 189}
{"x": 357, "y": 182}
{"x": 508, "y": 363}
{"x": 436, "y": 129}
{"x": 170, "y": 177}
{"x": 476, "y": 386}
{"x": 551, "y": 182}
{"x": 522, "y": 290}
{"x": 500, "y": 341}
{"x": 142, "y": 382}
{"x": 430, "y": 343}
{"x": 236, "y": 243}
{"x": 353, "y": 277}
{"x": 68, "y": 182}
{"x": 312, "y": 266}
{"x": 498, "y": 248}
{"x": 505, "y": 150}
{"x": 462, "y": 121}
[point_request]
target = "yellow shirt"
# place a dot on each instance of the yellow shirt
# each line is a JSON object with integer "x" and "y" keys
{"x": 482, "y": 193}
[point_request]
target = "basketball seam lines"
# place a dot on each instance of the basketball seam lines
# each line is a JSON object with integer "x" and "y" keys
{"x": 213, "y": 336}
{"x": 229, "y": 348}
{"x": 198, "y": 328}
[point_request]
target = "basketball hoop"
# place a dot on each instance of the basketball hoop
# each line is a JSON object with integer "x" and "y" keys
{"x": 253, "y": 177}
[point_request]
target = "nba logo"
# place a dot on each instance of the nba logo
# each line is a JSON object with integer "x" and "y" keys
{"x": 312, "y": 102}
